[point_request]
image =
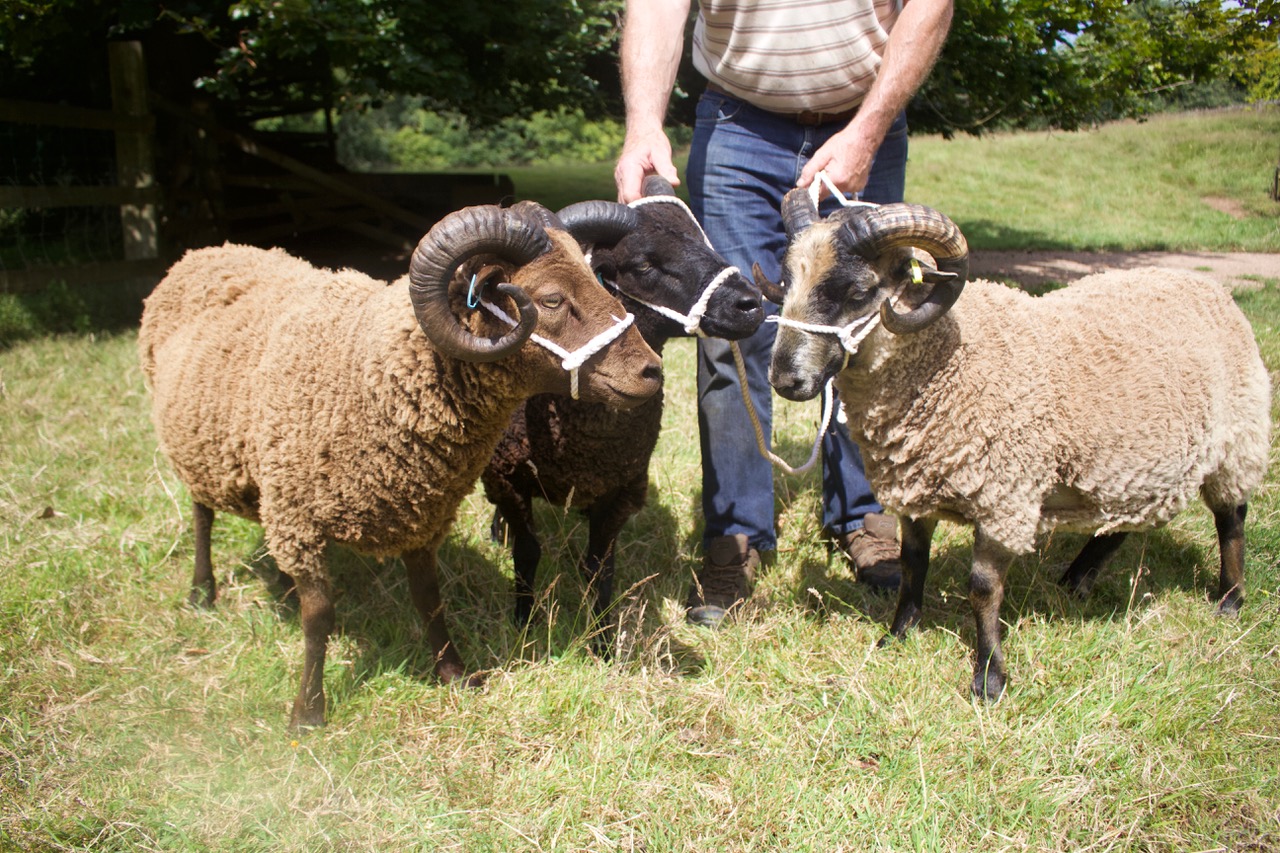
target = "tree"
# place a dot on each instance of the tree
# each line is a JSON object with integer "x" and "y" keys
{"x": 1007, "y": 63}
{"x": 488, "y": 60}
{"x": 1069, "y": 63}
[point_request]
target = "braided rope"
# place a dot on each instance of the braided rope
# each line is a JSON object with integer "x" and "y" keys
{"x": 571, "y": 361}
{"x": 692, "y": 321}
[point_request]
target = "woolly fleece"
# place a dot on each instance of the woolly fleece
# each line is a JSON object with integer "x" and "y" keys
{"x": 1108, "y": 405}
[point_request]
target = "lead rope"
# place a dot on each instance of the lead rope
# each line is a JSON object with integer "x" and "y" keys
{"x": 571, "y": 361}
{"x": 848, "y": 340}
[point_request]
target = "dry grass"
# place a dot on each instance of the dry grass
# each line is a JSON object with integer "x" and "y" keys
{"x": 1134, "y": 721}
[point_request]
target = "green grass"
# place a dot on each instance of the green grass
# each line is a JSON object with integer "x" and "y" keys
{"x": 1122, "y": 186}
{"x": 1134, "y": 721}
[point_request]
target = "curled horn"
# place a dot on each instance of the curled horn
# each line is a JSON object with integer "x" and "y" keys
{"x": 656, "y": 185}
{"x": 798, "y": 212}
{"x": 603, "y": 222}
{"x": 512, "y": 235}
{"x": 772, "y": 291}
{"x": 873, "y": 231}
{"x": 538, "y": 213}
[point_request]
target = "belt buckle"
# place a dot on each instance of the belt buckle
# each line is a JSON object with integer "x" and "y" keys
{"x": 808, "y": 118}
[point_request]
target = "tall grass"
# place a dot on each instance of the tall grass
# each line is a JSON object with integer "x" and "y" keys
{"x": 1134, "y": 721}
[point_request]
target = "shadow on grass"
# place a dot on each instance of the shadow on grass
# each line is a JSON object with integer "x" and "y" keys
{"x": 1162, "y": 560}
{"x": 374, "y": 611}
{"x": 61, "y": 308}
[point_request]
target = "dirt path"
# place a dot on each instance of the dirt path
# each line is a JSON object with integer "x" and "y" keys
{"x": 1033, "y": 269}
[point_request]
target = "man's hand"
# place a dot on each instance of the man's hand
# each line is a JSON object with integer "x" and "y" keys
{"x": 643, "y": 154}
{"x": 846, "y": 158}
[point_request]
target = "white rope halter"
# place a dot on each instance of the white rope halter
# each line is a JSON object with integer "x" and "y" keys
{"x": 571, "y": 361}
{"x": 692, "y": 321}
{"x": 850, "y": 337}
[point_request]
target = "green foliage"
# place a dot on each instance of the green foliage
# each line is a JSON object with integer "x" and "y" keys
{"x": 52, "y": 310}
{"x": 1035, "y": 63}
{"x": 411, "y": 138}
{"x": 488, "y": 59}
{"x": 1259, "y": 62}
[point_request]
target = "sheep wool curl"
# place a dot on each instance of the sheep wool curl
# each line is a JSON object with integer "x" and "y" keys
{"x": 1108, "y": 405}
{"x": 287, "y": 394}
{"x": 312, "y": 401}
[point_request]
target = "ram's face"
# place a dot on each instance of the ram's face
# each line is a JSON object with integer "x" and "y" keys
{"x": 829, "y": 286}
{"x": 574, "y": 309}
{"x": 667, "y": 262}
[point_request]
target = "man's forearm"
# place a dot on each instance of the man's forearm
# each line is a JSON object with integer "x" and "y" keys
{"x": 652, "y": 43}
{"x": 914, "y": 45}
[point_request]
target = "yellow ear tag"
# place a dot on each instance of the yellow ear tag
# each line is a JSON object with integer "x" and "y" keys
{"x": 916, "y": 275}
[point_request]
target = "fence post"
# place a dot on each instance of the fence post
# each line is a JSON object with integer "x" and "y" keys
{"x": 134, "y": 160}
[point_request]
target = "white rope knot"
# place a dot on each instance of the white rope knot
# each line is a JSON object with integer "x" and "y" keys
{"x": 571, "y": 361}
{"x": 850, "y": 336}
{"x": 692, "y": 322}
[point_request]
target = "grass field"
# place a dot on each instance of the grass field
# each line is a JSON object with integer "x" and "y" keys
{"x": 1134, "y": 721}
{"x": 1175, "y": 182}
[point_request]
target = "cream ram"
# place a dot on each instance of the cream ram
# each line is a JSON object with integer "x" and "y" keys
{"x": 334, "y": 408}
{"x": 1104, "y": 407}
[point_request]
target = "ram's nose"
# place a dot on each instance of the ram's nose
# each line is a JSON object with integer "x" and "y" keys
{"x": 792, "y": 386}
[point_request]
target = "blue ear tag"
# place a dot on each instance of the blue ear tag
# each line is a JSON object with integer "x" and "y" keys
{"x": 916, "y": 275}
{"x": 473, "y": 298}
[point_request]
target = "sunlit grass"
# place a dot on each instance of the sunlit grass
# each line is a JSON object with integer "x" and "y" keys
{"x": 1134, "y": 721}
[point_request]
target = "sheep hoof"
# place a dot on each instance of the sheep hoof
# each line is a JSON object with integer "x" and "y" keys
{"x": 201, "y": 597}
{"x": 303, "y": 720}
{"x": 474, "y": 681}
{"x": 1228, "y": 607}
{"x": 988, "y": 684}
{"x": 887, "y": 640}
{"x": 453, "y": 674}
{"x": 1078, "y": 588}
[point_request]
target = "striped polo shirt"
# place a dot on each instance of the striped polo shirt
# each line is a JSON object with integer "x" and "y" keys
{"x": 793, "y": 55}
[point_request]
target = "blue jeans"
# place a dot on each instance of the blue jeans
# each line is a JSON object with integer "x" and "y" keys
{"x": 743, "y": 160}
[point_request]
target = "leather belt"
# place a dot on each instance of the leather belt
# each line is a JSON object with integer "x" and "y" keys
{"x": 804, "y": 118}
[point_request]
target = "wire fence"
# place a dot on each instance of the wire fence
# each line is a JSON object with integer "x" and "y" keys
{"x": 61, "y": 233}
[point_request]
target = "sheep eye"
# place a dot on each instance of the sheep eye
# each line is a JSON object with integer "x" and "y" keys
{"x": 643, "y": 266}
{"x": 555, "y": 300}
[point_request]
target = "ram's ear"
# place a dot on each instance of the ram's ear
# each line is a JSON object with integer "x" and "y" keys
{"x": 914, "y": 269}
{"x": 604, "y": 264}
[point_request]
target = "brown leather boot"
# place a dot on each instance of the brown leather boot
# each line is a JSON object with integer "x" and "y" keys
{"x": 874, "y": 551}
{"x": 724, "y": 581}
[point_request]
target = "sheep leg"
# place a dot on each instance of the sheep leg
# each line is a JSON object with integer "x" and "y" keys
{"x": 1230, "y": 525}
{"x": 1091, "y": 560}
{"x": 917, "y": 538}
{"x": 986, "y": 591}
{"x": 598, "y": 568}
{"x": 316, "y": 607}
{"x": 607, "y": 516}
{"x": 424, "y": 588}
{"x": 526, "y": 553}
{"x": 204, "y": 587}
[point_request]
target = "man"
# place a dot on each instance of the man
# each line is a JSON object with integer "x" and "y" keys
{"x": 794, "y": 87}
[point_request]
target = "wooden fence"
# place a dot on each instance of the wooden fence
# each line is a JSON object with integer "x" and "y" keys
{"x": 246, "y": 190}
{"x": 135, "y": 193}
